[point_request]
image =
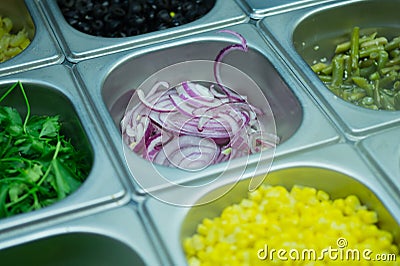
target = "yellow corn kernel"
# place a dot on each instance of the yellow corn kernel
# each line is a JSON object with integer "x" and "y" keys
{"x": 193, "y": 261}
{"x": 353, "y": 202}
{"x": 322, "y": 195}
{"x": 339, "y": 204}
{"x": 368, "y": 217}
{"x": 303, "y": 218}
{"x": 255, "y": 195}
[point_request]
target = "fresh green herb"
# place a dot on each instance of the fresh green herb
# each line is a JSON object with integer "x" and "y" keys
{"x": 38, "y": 165}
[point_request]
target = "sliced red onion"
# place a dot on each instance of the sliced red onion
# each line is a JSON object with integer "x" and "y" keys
{"x": 242, "y": 47}
{"x": 151, "y": 106}
{"x": 191, "y": 126}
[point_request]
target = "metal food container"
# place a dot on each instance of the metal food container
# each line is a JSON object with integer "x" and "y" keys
{"x": 78, "y": 46}
{"x": 115, "y": 236}
{"x": 296, "y": 34}
{"x": 43, "y": 49}
{"x": 53, "y": 91}
{"x": 337, "y": 169}
{"x": 110, "y": 81}
{"x": 131, "y": 212}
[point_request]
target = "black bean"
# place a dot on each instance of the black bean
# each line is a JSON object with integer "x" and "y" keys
{"x": 187, "y": 6}
{"x": 122, "y": 18}
{"x": 99, "y": 11}
{"x": 67, "y": 3}
{"x": 163, "y": 15}
{"x": 117, "y": 11}
{"x": 83, "y": 26}
{"x": 83, "y": 6}
{"x": 137, "y": 20}
{"x": 97, "y": 25}
{"x": 135, "y": 8}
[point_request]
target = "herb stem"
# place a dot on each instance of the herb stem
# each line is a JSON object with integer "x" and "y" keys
{"x": 28, "y": 107}
{"x": 31, "y": 191}
{"x": 8, "y": 92}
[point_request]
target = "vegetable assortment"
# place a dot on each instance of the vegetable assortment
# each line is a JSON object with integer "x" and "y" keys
{"x": 38, "y": 165}
{"x": 365, "y": 71}
{"x": 123, "y": 18}
{"x": 11, "y": 44}
{"x": 303, "y": 218}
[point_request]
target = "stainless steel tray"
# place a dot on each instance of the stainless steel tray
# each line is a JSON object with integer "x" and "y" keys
{"x": 122, "y": 217}
{"x": 78, "y": 46}
{"x": 109, "y": 80}
{"x": 337, "y": 169}
{"x": 43, "y": 50}
{"x": 294, "y": 35}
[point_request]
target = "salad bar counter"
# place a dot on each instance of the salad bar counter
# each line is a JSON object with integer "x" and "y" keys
{"x": 204, "y": 132}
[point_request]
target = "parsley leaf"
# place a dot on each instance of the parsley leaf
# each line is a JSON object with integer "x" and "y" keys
{"x": 38, "y": 165}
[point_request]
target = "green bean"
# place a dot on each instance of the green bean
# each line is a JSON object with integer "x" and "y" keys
{"x": 327, "y": 70}
{"x": 388, "y": 81}
{"x": 347, "y": 67}
{"x": 342, "y": 47}
{"x": 366, "y": 63}
{"x": 382, "y": 59}
{"x": 364, "y": 70}
{"x": 371, "y": 49}
{"x": 396, "y": 86}
{"x": 318, "y": 67}
{"x": 364, "y": 84}
{"x": 345, "y": 46}
{"x": 357, "y": 94}
{"x": 386, "y": 70}
{"x": 367, "y": 101}
{"x": 394, "y": 61}
{"x": 376, "y": 95}
{"x": 394, "y": 53}
{"x": 354, "y": 49}
{"x": 375, "y": 76}
{"x": 375, "y": 42}
{"x": 387, "y": 102}
{"x": 367, "y": 71}
{"x": 325, "y": 78}
{"x": 393, "y": 44}
{"x": 337, "y": 70}
{"x": 337, "y": 91}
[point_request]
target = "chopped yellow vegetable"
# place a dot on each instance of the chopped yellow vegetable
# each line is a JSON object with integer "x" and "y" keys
{"x": 11, "y": 44}
{"x": 274, "y": 226}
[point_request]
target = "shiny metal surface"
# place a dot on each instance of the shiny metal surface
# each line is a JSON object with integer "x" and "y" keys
{"x": 113, "y": 237}
{"x": 43, "y": 50}
{"x": 336, "y": 169}
{"x": 78, "y": 46}
{"x": 294, "y": 34}
{"x": 52, "y": 91}
{"x": 384, "y": 151}
{"x": 111, "y": 219}
{"x": 258, "y": 9}
{"x": 110, "y": 79}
